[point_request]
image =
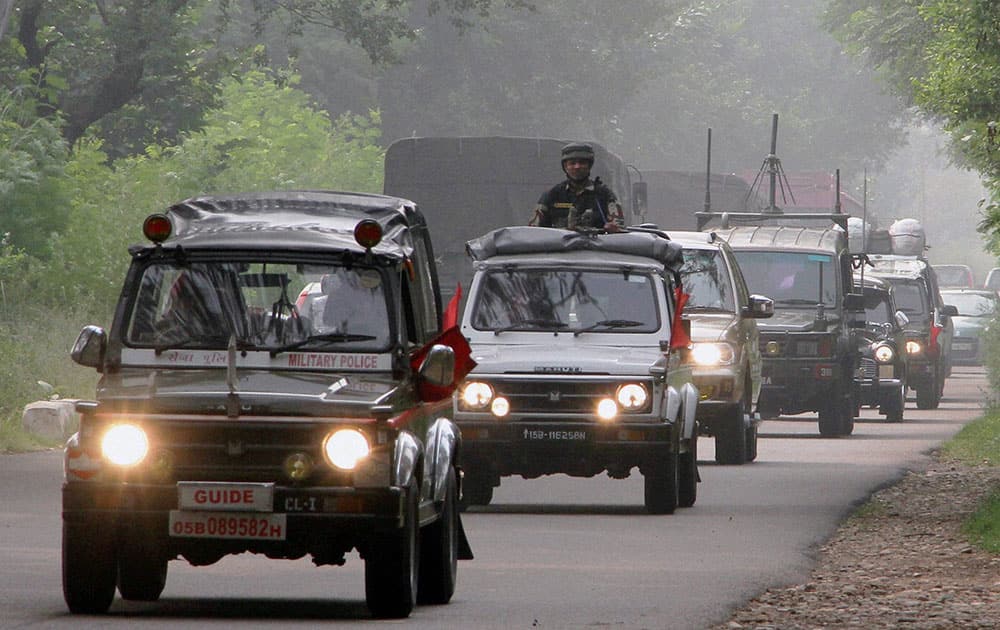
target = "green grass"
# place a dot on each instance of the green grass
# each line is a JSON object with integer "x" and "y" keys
{"x": 983, "y": 528}
{"x": 977, "y": 444}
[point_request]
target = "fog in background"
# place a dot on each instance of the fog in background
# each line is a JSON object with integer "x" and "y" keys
{"x": 647, "y": 78}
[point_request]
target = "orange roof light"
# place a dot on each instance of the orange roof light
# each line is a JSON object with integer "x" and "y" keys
{"x": 157, "y": 227}
{"x": 368, "y": 233}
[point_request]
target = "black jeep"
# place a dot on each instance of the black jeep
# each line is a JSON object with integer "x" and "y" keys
{"x": 228, "y": 420}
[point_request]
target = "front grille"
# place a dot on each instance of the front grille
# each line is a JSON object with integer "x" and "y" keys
{"x": 553, "y": 395}
{"x": 238, "y": 451}
{"x": 796, "y": 345}
{"x": 868, "y": 369}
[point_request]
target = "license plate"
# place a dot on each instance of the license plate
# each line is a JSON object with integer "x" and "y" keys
{"x": 225, "y": 497}
{"x": 961, "y": 346}
{"x": 553, "y": 435}
{"x": 807, "y": 348}
{"x": 886, "y": 371}
{"x": 233, "y": 525}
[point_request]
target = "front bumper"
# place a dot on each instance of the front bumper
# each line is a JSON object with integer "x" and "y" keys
{"x": 312, "y": 516}
{"x": 532, "y": 448}
{"x": 878, "y": 383}
{"x": 797, "y": 385}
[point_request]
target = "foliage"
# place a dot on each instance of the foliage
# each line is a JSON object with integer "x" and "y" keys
{"x": 33, "y": 199}
{"x": 264, "y": 136}
{"x": 944, "y": 56}
{"x": 978, "y": 442}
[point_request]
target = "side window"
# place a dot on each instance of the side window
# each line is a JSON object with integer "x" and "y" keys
{"x": 420, "y": 290}
{"x": 742, "y": 292}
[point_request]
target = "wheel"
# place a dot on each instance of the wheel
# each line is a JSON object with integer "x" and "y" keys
{"x": 928, "y": 396}
{"x": 731, "y": 436}
{"x": 89, "y": 568}
{"x": 477, "y": 489}
{"x": 439, "y": 551}
{"x": 837, "y": 419}
{"x": 660, "y": 485}
{"x": 893, "y": 408}
{"x": 142, "y": 569}
{"x": 751, "y": 442}
{"x": 391, "y": 570}
{"x": 687, "y": 484}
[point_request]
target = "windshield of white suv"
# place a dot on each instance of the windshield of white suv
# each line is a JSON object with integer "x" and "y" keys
{"x": 269, "y": 306}
{"x": 790, "y": 278}
{"x": 566, "y": 300}
{"x": 706, "y": 280}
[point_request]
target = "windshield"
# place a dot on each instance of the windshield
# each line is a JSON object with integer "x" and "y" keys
{"x": 910, "y": 297}
{"x": 566, "y": 300}
{"x": 971, "y": 304}
{"x": 790, "y": 278}
{"x": 266, "y": 305}
{"x": 953, "y": 275}
{"x": 878, "y": 308}
{"x": 706, "y": 280}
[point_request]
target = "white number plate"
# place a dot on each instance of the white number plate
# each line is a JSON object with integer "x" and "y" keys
{"x": 225, "y": 497}
{"x": 961, "y": 346}
{"x": 227, "y": 525}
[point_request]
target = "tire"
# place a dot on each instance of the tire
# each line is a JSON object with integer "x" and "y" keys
{"x": 687, "y": 484}
{"x": 439, "y": 551}
{"x": 142, "y": 569}
{"x": 660, "y": 485}
{"x": 89, "y": 568}
{"x": 837, "y": 419}
{"x": 894, "y": 408}
{"x": 392, "y": 567}
{"x": 392, "y": 570}
{"x": 477, "y": 489}
{"x": 751, "y": 442}
{"x": 928, "y": 396}
{"x": 731, "y": 437}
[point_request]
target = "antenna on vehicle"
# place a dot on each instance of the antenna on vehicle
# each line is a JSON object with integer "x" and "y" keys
{"x": 708, "y": 174}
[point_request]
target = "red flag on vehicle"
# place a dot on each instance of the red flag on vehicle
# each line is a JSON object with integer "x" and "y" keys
{"x": 450, "y": 317}
{"x": 463, "y": 363}
{"x": 679, "y": 337}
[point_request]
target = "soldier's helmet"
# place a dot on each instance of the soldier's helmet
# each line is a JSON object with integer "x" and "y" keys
{"x": 577, "y": 151}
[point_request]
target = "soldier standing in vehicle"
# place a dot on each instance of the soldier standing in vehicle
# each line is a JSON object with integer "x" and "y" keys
{"x": 579, "y": 202}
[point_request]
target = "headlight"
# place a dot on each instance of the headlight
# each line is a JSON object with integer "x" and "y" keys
{"x": 884, "y": 354}
{"x": 607, "y": 409}
{"x": 712, "y": 353}
{"x": 345, "y": 448}
{"x": 500, "y": 407}
{"x": 125, "y": 445}
{"x": 914, "y": 347}
{"x": 632, "y": 396}
{"x": 477, "y": 395}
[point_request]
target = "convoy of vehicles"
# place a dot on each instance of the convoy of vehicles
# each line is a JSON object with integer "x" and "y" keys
{"x": 227, "y": 420}
{"x": 975, "y": 310}
{"x": 725, "y": 348}
{"x": 881, "y": 378}
{"x": 929, "y": 331}
{"x": 577, "y": 372}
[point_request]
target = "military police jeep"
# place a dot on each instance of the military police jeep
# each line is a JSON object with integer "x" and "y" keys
{"x": 228, "y": 420}
{"x": 576, "y": 375}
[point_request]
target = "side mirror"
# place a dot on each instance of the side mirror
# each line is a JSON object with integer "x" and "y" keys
{"x": 901, "y": 319}
{"x": 854, "y": 303}
{"x": 438, "y": 367}
{"x": 640, "y": 199}
{"x": 761, "y": 307}
{"x": 949, "y": 311}
{"x": 659, "y": 369}
{"x": 90, "y": 346}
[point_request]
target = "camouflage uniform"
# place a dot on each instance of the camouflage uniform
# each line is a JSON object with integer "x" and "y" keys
{"x": 568, "y": 206}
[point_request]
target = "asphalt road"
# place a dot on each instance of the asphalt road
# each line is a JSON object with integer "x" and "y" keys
{"x": 555, "y": 552}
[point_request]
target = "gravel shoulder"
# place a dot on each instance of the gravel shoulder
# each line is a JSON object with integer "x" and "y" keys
{"x": 901, "y": 561}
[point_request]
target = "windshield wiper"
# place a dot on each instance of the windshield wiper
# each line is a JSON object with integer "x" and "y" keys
{"x": 703, "y": 308}
{"x": 545, "y": 324}
{"x": 327, "y": 337}
{"x": 608, "y": 323}
{"x": 805, "y": 301}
